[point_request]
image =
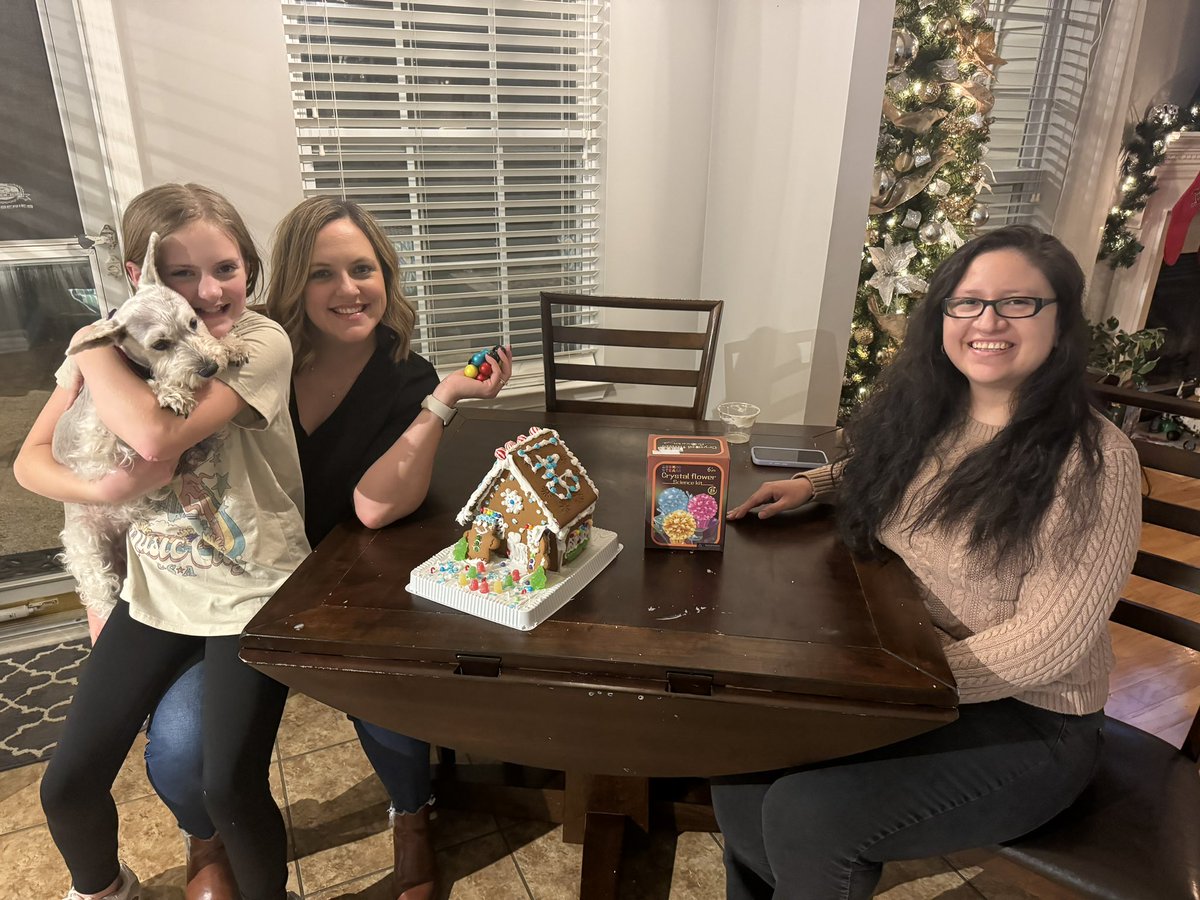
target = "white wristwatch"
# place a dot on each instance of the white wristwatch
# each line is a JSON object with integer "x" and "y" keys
{"x": 439, "y": 409}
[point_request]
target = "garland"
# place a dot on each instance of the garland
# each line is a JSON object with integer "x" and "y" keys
{"x": 1143, "y": 153}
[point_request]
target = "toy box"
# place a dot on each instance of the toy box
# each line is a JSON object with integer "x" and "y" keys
{"x": 687, "y": 485}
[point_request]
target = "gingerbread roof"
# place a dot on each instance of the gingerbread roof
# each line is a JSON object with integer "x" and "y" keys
{"x": 560, "y": 487}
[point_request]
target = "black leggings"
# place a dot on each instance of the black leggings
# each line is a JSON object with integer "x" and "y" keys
{"x": 128, "y": 670}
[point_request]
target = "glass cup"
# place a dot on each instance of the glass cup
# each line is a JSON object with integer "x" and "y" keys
{"x": 739, "y": 418}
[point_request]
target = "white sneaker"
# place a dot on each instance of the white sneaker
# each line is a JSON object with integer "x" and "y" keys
{"x": 130, "y": 888}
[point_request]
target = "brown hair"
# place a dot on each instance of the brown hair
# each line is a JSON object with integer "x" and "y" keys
{"x": 169, "y": 207}
{"x": 291, "y": 255}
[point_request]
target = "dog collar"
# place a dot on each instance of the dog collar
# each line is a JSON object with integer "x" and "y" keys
{"x": 142, "y": 372}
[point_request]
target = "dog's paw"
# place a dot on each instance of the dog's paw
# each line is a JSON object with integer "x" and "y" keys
{"x": 179, "y": 402}
{"x": 236, "y": 351}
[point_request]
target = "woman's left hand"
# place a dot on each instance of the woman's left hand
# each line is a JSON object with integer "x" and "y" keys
{"x": 457, "y": 386}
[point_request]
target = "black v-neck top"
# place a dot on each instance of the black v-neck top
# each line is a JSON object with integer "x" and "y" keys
{"x": 378, "y": 408}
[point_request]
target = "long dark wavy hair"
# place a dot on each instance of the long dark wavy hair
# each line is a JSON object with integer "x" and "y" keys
{"x": 1001, "y": 491}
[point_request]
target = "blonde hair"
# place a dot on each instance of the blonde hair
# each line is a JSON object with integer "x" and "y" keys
{"x": 169, "y": 207}
{"x": 291, "y": 255}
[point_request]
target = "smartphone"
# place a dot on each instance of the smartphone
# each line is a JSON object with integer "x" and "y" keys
{"x": 789, "y": 457}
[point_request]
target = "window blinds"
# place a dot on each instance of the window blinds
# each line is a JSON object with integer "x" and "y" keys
{"x": 1049, "y": 46}
{"x": 472, "y": 132}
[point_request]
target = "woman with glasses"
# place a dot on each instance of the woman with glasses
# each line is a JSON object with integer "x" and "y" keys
{"x": 979, "y": 461}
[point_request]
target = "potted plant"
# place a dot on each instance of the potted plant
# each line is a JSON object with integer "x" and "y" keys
{"x": 1123, "y": 358}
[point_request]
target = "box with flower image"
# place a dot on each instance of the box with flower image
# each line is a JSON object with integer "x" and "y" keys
{"x": 687, "y": 480}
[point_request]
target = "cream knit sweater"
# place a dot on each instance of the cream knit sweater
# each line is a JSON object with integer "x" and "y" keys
{"x": 1042, "y": 638}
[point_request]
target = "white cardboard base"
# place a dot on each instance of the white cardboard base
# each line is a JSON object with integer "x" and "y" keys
{"x": 528, "y": 611}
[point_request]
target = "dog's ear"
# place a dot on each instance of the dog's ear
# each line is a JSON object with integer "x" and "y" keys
{"x": 108, "y": 331}
{"x": 149, "y": 269}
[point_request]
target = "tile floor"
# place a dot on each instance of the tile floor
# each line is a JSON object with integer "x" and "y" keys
{"x": 337, "y": 821}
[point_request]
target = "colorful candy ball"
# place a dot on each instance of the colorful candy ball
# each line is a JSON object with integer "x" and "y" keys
{"x": 470, "y": 371}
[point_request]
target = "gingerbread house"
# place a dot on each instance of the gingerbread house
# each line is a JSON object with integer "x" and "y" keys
{"x": 534, "y": 506}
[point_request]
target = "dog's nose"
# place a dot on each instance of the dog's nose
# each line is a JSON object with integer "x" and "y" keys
{"x": 209, "y": 370}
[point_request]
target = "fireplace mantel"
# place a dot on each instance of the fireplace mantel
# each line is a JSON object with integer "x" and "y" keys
{"x": 1128, "y": 292}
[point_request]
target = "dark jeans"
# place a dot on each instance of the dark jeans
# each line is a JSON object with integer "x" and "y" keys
{"x": 127, "y": 672}
{"x": 174, "y": 763}
{"x": 824, "y": 831}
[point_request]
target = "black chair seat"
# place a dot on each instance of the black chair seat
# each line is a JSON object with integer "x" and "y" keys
{"x": 1134, "y": 833}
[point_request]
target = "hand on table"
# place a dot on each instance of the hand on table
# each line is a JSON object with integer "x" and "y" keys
{"x": 774, "y": 497}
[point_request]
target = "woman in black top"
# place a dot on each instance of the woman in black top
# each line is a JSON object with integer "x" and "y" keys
{"x": 368, "y": 415}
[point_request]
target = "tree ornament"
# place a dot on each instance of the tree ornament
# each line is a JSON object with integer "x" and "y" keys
{"x": 921, "y": 155}
{"x": 951, "y": 236}
{"x": 982, "y": 95}
{"x": 947, "y": 69}
{"x": 929, "y": 91}
{"x": 886, "y": 354}
{"x": 980, "y": 48}
{"x": 891, "y": 270}
{"x": 930, "y": 232}
{"x": 904, "y": 50}
{"x": 898, "y": 83}
{"x": 885, "y": 180}
{"x": 904, "y": 162}
{"x": 918, "y": 122}
{"x": 912, "y": 219}
{"x": 947, "y": 26}
{"x": 910, "y": 185}
{"x": 939, "y": 187}
{"x": 862, "y": 334}
{"x": 894, "y": 325}
{"x": 979, "y": 215}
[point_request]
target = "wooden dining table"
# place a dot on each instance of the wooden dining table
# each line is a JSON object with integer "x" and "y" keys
{"x": 778, "y": 651}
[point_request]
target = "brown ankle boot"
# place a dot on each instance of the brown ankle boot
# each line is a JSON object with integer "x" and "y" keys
{"x": 415, "y": 870}
{"x": 209, "y": 875}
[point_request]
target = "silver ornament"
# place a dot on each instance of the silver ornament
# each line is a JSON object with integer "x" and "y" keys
{"x": 898, "y": 83}
{"x": 921, "y": 156}
{"x": 885, "y": 180}
{"x": 904, "y": 50}
{"x": 947, "y": 69}
{"x": 939, "y": 187}
{"x": 930, "y": 232}
{"x": 979, "y": 215}
{"x": 911, "y": 219}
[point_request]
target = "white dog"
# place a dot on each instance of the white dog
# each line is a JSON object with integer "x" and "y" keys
{"x": 162, "y": 337}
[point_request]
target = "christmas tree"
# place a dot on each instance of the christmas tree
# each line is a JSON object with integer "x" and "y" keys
{"x": 929, "y": 170}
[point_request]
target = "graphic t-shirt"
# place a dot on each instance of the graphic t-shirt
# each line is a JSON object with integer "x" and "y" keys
{"x": 222, "y": 537}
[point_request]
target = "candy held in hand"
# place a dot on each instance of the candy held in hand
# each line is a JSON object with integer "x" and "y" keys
{"x": 485, "y": 370}
{"x": 470, "y": 371}
{"x": 479, "y": 362}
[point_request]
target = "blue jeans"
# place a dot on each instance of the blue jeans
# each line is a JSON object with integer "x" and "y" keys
{"x": 174, "y": 762}
{"x": 998, "y": 772}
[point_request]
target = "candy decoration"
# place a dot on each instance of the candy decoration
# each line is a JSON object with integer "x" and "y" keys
{"x": 483, "y": 587}
{"x": 702, "y": 507}
{"x": 470, "y": 371}
{"x": 474, "y": 584}
{"x": 486, "y": 369}
{"x": 460, "y": 549}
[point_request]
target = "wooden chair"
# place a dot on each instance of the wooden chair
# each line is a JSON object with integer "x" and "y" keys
{"x": 700, "y": 378}
{"x": 1135, "y": 831}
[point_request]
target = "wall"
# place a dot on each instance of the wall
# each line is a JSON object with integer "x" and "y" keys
{"x": 209, "y": 95}
{"x": 788, "y": 138}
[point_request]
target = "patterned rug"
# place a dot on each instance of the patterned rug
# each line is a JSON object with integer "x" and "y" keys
{"x": 36, "y": 687}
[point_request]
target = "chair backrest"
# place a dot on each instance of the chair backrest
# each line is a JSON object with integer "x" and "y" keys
{"x": 1174, "y": 516}
{"x": 699, "y": 378}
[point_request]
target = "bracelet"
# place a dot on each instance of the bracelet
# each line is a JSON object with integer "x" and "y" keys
{"x": 439, "y": 409}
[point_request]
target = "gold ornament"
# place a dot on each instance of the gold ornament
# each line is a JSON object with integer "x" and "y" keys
{"x": 929, "y": 91}
{"x": 894, "y": 325}
{"x": 910, "y": 185}
{"x": 979, "y": 215}
{"x": 918, "y": 122}
{"x": 862, "y": 334}
{"x": 904, "y": 162}
{"x": 983, "y": 97}
{"x": 947, "y": 26}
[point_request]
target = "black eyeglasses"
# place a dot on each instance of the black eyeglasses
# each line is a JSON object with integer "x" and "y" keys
{"x": 1008, "y": 308}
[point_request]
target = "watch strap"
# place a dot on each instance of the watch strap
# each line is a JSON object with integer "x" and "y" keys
{"x": 439, "y": 409}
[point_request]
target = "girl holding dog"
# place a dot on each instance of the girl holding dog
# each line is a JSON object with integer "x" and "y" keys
{"x": 981, "y": 464}
{"x": 368, "y": 414}
{"x": 202, "y": 559}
